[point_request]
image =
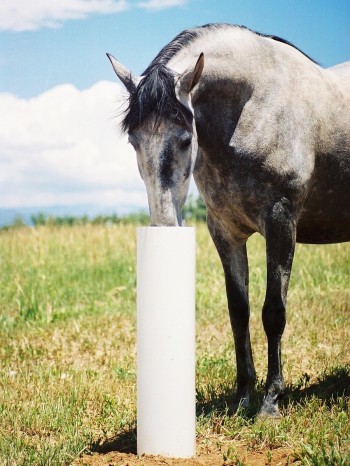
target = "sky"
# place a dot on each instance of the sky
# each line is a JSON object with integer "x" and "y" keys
{"x": 60, "y": 99}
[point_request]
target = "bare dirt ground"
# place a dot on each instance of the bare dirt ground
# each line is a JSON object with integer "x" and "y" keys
{"x": 217, "y": 452}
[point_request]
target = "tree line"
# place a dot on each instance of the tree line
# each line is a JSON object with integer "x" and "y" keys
{"x": 193, "y": 210}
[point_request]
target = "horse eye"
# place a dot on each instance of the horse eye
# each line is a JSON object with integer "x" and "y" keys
{"x": 185, "y": 143}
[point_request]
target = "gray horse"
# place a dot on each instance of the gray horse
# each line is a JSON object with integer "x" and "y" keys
{"x": 266, "y": 133}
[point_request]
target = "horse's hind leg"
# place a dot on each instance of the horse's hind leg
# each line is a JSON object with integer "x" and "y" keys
{"x": 233, "y": 255}
{"x": 280, "y": 229}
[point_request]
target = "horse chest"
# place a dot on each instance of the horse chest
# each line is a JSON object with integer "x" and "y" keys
{"x": 233, "y": 194}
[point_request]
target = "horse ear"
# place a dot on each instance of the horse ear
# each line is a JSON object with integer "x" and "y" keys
{"x": 126, "y": 77}
{"x": 190, "y": 78}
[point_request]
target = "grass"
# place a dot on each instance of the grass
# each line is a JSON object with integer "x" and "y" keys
{"x": 67, "y": 349}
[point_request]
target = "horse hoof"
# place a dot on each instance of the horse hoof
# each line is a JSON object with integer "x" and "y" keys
{"x": 239, "y": 403}
{"x": 270, "y": 412}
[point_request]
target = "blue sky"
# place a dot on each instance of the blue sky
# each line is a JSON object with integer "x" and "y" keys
{"x": 74, "y": 50}
{"x": 58, "y": 94}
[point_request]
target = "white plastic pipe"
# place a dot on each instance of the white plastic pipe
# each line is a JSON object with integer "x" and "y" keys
{"x": 166, "y": 341}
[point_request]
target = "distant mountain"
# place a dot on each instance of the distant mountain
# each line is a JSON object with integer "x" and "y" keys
{"x": 8, "y": 216}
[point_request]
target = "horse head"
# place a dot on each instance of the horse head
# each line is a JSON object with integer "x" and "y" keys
{"x": 160, "y": 125}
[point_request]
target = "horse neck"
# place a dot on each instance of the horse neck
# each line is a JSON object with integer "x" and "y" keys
{"x": 241, "y": 57}
{"x": 233, "y": 53}
{"x": 231, "y": 66}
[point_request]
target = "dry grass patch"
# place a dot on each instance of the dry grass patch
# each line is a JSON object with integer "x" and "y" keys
{"x": 67, "y": 354}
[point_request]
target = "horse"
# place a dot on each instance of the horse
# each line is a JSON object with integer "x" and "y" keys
{"x": 265, "y": 130}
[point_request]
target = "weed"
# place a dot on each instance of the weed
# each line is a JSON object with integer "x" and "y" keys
{"x": 231, "y": 458}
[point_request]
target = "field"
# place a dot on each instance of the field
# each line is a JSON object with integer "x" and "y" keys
{"x": 67, "y": 354}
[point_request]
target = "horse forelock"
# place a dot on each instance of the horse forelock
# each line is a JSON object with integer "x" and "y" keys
{"x": 155, "y": 95}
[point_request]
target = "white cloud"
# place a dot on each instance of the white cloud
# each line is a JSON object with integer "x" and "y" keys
{"x": 63, "y": 147}
{"x": 22, "y": 15}
{"x": 157, "y": 5}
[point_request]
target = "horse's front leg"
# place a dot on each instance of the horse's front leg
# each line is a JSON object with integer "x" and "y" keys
{"x": 233, "y": 255}
{"x": 280, "y": 234}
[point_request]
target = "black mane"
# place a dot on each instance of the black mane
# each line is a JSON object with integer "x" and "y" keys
{"x": 187, "y": 36}
{"x": 171, "y": 49}
{"x": 284, "y": 41}
{"x": 155, "y": 94}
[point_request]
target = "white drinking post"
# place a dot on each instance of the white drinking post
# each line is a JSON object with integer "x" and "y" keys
{"x": 166, "y": 341}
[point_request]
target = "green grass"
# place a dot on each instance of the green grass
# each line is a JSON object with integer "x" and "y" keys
{"x": 67, "y": 349}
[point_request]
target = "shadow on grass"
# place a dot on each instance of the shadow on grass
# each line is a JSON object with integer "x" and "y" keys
{"x": 330, "y": 386}
{"x": 124, "y": 442}
{"x": 221, "y": 404}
